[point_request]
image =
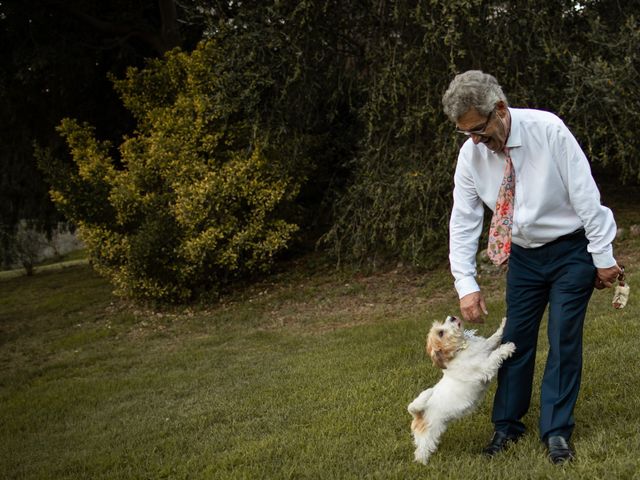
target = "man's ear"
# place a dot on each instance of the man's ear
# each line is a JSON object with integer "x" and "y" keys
{"x": 501, "y": 108}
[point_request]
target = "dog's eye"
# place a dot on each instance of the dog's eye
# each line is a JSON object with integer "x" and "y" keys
{"x": 440, "y": 333}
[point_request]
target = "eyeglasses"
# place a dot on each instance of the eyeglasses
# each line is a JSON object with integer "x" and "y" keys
{"x": 478, "y": 131}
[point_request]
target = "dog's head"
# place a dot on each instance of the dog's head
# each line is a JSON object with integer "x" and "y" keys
{"x": 444, "y": 340}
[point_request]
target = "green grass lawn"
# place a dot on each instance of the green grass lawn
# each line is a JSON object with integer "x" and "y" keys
{"x": 306, "y": 375}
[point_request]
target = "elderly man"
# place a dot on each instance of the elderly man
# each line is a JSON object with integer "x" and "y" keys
{"x": 550, "y": 227}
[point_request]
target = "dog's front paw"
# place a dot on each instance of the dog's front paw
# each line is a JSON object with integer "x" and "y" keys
{"x": 508, "y": 349}
{"x": 503, "y": 323}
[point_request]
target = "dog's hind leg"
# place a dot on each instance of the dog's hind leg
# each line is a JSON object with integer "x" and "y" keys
{"x": 427, "y": 440}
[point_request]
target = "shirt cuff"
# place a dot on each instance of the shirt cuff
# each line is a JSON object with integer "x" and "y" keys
{"x": 466, "y": 285}
{"x": 604, "y": 259}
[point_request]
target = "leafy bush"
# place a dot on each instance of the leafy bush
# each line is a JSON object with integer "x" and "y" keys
{"x": 194, "y": 200}
{"x": 28, "y": 247}
{"x": 399, "y": 198}
{"x": 602, "y": 90}
{"x": 577, "y": 59}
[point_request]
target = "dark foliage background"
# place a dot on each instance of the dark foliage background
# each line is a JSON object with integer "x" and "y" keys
{"x": 347, "y": 93}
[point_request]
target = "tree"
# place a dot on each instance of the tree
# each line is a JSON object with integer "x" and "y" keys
{"x": 154, "y": 23}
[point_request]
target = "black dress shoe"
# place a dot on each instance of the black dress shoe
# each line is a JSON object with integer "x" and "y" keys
{"x": 499, "y": 442}
{"x": 559, "y": 450}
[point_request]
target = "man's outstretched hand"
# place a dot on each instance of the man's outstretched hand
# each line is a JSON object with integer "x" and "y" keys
{"x": 473, "y": 308}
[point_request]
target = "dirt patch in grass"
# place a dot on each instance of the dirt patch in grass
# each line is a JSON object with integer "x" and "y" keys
{"x": 347, "y": 302}
{"x": 306, "y": 301}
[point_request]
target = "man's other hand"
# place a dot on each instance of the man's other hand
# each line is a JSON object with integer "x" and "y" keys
{"x": 606, "y": 277}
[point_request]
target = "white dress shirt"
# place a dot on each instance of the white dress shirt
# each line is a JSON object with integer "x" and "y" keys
{"x": 555, "y": 194}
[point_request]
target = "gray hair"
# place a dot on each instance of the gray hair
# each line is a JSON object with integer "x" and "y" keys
{"x": 472, "y": 89}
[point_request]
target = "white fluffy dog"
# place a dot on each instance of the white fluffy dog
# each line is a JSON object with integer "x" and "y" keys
{"x": 468, "y": 364}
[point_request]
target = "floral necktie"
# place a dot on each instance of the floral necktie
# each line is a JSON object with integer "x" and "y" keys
{"x": 500, "y": 231}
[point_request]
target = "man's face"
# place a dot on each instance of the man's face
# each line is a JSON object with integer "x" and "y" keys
{"x": 491, "y": 130}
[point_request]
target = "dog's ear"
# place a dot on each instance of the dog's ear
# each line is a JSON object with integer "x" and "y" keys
{"x": 434, "y": 350}
{"x": 438, "y": 358}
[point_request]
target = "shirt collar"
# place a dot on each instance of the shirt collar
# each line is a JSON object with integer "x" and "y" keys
{"x": 514, "y": 139}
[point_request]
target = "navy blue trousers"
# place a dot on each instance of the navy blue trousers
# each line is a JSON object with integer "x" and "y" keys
{"x": 561, "y": 275}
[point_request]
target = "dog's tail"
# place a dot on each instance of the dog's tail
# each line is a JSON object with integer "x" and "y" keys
{"x": 419, "y": 424}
